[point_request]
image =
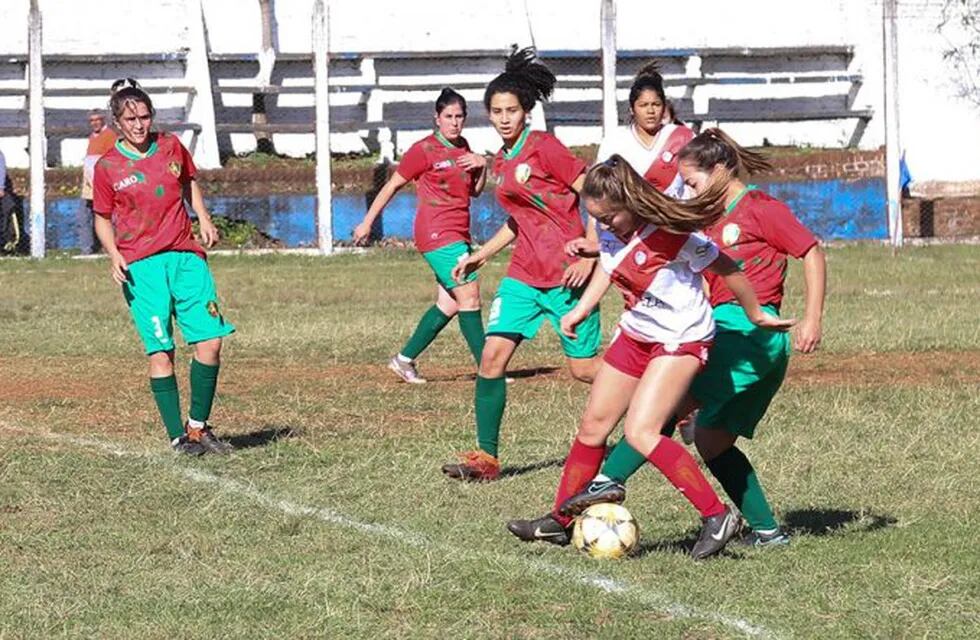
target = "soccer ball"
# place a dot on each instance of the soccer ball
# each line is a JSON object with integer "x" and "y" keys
{"x": 605, "y": 530}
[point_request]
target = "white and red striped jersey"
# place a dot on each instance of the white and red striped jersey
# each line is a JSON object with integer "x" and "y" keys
{"x": 659, "y": 275}
{"x": 656, "y": 163}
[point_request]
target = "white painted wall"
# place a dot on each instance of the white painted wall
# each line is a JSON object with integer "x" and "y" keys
{"x": 927, "y": 88}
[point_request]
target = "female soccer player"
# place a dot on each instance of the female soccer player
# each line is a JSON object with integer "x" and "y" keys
{"x": 140, "y": 186}
{"x": 448, "y": 175}
{"x": 649, "y": 142}
{"x": 746, "y": 366}
{"x": 538, "y": 180}
{"x": 662, "y": 340}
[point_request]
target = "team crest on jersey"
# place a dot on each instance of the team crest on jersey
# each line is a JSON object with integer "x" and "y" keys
{"x": 640, "y": 257}
{"x": 522, "y": 172}
{"x": 730, "y": 233}
{"x": 174, "y": 168}
{"x": 213, "y": 308}
{"x": 667, "y": 156}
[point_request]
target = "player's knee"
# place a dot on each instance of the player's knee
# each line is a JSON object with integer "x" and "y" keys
{"x": 493, "y": 362}
{"x": 582, "y": 370}
{"x": 593, "y": 430}
{"x": 161, "y": 365}
{"x": 208, "y": 351}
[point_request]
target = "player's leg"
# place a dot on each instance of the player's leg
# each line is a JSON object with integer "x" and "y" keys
{"x": 515, "y": 315}
{"x": 660, "y": 392}
{"x": 203, "y": 326}
{"x": 581, "y": 351}
{"x": 609, "y": 398}
{"x": 467, "y": 297}
{"x": 147, "y": 294}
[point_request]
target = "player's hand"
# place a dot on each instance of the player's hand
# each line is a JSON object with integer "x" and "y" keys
{"x": 471, "y": 162}
{"x": 465, "y": 267}
{"x": 569, "y": 321}
{"x": 118, "y": 268}
{"x": 577, "y": 273}
{"x": 361, "y": 233}
{"x": 209, "y": 232}
{"x": 772, "y": 323}
{"x": 2, "y": 193}
{"x": 582, "y": 247}
{"x": 807, "y": 336}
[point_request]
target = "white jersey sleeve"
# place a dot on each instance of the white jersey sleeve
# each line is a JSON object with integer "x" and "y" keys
{"x": 699, "y": 252}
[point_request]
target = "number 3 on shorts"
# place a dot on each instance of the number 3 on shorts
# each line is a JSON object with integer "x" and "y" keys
{"x": 157, "y": 327}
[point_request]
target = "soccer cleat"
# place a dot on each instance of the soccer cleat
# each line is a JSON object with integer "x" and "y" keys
{"x": 473, "y": 466}
{"x": 543, "y": 529}
{"x": 716, "y": 531}
{"x": 406, "y": 371}
{"x": 598, "y": 491}
{"x": 188, "y": 447}
{"x": 206, "y": 439}
{"x": 778, "y": 538}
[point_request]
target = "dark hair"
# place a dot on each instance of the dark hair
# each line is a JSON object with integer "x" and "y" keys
{"x": 127, "y": 91}
{"x": 448, "y": 97}
{"x": 525, "y": 76}
{"x": 616, "y": 181}
{"x": 648, "y": 78}
{"x": 713, "y": 147}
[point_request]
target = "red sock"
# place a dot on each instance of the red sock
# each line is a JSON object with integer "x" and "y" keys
{"x": 676, "y": 463}
{"x": 582, "y": 465}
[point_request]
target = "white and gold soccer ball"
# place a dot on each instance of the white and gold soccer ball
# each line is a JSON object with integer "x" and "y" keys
{"x": 606, "y": 530}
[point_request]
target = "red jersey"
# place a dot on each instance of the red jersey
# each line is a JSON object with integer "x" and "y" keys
{"x": 534, "y": 181}
{"x": 758, "y": 232}
{"x": 143, "y": 196}
{"x": 444, "y": 189}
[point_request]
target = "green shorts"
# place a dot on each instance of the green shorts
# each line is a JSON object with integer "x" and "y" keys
{"x": 519, "y": 309}
{"x": 168, "y": 285}
{"x": 745, "y": 369}
{"x": 443, "y": 260}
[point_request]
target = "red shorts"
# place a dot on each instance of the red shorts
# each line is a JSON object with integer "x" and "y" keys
{"x": 631, "y": 356}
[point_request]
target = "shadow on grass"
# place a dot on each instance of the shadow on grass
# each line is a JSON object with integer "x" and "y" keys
{"x": 260, "y": 437}
{"x": 515, "y": 374}
{"x": 508, "y": 472}
{"x": 828, "y": 522}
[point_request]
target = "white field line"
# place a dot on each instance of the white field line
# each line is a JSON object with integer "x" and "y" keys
{"x": 642, "y": 595}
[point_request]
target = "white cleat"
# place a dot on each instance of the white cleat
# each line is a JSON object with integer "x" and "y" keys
{"x": 406, "y": 371}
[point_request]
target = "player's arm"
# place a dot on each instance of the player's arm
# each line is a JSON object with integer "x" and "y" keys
{"x": 808, "y": 334}
{"x": 593, "y": 293}
{"x": 476, "y": 163}
{"x": 106, "y": 236}
{"x": 577, "y": 273}
{"x": 209, "y": 233}
{"x": 742, "y": 288}
{"x": 363, "y": 230}
{"x": 504, "y": 236}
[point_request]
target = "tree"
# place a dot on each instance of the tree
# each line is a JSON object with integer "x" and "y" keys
{"x": 960, "y": 27}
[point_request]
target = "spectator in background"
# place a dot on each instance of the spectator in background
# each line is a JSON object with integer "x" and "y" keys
{"x": 101, "y": 139}
{"x": 9, "y": 224}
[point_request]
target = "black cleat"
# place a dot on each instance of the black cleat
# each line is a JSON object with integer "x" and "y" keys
{"x": 778, "y": 538}
{"x": 188, "y": 447}
{"x": 543, "y": 529}
{"x": 206, "y": 438}
{"x": 716, "y": 531}
{"x": 597, "y": 492}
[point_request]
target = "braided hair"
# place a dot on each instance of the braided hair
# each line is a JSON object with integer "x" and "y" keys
{"x": 525, "y": 76}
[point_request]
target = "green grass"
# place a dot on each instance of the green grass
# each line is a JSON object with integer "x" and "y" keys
{"x": 869, "y": 454}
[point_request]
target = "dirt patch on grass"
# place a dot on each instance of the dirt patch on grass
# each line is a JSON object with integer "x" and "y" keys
{"x": 885, "y": 369}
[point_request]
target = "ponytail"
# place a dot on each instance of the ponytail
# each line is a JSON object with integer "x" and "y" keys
{"x": 617, "y": 182}
{"x": 525, "y": 76}
{"x": 713, "y": 147}
{"x": 648, "y": 78}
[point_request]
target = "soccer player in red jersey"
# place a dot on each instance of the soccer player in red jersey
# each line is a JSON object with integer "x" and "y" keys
{"x": 447, "y": 174}
{"x": 139, "y": 190}
{"x": 746, "y": 366}
{"x": 661, "y": 343}
{"x": 537, "y": 180}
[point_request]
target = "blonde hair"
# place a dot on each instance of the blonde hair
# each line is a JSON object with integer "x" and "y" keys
{"x": 713, "y": 147}
{"x": 618, "y": 183}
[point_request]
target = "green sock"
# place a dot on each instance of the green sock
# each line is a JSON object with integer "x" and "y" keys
{"x": 623, "y": 462}
{"x": 491, "y": 398}
{"x": 471, "y": 324}
{"x": 736, "y": 475}
{"x": 168, "y": 402}
{"x": 429, "y": 326}
{"x": 204, "y": 380}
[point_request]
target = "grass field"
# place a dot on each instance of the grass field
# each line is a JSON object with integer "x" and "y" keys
{"x": 333, "y": 519}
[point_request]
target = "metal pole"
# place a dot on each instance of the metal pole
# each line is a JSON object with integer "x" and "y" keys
{"x": 37, "y": 143}
{"x": 893, "y": 145}
{"x": 610, "y": 114}
{"x": 321, "y": 39}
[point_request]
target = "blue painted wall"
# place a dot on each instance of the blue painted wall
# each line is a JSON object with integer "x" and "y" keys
{"x": 833, "y": 209}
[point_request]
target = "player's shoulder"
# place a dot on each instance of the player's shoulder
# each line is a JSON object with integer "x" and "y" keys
{"x": 760, "y": 202}
{"x": 683, "y": 132}
{"x": 109, "y": 159}
{"x": 543, "y": 140}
